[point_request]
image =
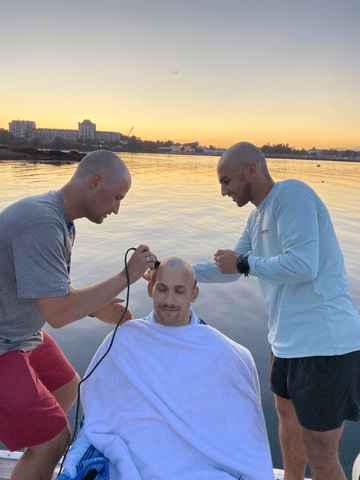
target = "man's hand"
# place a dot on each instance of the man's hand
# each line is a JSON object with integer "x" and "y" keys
{"x": 225, "y": 261}
{"x": 112, "y": 312}
{"x": 140, "y": 261}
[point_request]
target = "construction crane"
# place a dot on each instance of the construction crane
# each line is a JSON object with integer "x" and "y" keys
{"x": 124, "y": 142}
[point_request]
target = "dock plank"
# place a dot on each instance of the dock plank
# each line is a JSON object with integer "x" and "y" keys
{"x": 8, "y": 461}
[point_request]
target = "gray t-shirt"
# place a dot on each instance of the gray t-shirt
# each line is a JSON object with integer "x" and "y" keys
{"x": 35, "y": 252}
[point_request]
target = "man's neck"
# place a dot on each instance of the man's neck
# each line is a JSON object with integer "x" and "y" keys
{"x": 262, "y": 191}
{"x": 71, "y": 199}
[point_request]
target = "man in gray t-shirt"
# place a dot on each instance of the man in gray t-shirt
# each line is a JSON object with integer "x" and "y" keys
{"x": 36, "y": 237}
{"x": 35, "y": 248}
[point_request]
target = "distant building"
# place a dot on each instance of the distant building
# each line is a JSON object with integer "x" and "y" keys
{"x": 177, "y": 149}
{"x": 86, "y": 130}
{"x": 187, "y": 149}
{"x": 49, "y": 134}
{"x": 107, "y": 136}
{"x": 170, "y": 149}
{"x": 191, "y": 148}
{"x": 314, "y": 151}
{"x": 21, "y": 128}
{"x": 213, "y": 151}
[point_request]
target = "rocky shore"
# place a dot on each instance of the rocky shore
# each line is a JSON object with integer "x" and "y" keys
{"x": 41, "y": 156}
{"x": 61, "y": 156}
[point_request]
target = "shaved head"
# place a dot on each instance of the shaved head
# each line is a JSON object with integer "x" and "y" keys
{"x": 242, "y": 153}
{"x": 179, "y": 263}
{"x": 105, "y": 163}
{"x": 175, "y": 263}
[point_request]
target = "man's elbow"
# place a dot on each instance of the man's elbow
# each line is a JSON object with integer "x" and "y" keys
{"x": 309, "y": 273}
{"x": 55, "y": 322}
{"x": 300, "y": 269}
{"x": 310, "y": 277}
{"x": 53, "y": 310}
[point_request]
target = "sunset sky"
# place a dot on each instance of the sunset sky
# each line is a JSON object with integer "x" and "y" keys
{"x": 217, "y": 72}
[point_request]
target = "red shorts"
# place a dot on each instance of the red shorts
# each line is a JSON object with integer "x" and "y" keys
{"x": 29, "y": 413}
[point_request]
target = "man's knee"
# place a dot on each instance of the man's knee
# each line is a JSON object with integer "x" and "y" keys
{"x": 63, "y": 439}
{"x": 67, "y": 394}
{"x": 54, "y": 448}
{"x": 39, "y": 461}
{"x": 321, "y": 446}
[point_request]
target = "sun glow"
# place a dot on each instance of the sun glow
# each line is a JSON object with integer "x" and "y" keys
{"x": 253, "y": 72}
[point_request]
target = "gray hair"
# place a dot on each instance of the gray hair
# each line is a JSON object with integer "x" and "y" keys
{"x": 106, "y": 163}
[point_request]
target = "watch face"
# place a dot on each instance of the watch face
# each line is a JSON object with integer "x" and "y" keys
{"x": 238, "y": 263}
{"x": 242, "y": 264}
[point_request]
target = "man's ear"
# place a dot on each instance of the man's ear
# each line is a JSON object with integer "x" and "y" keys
{"x": 95, "y": 180}
{"x": 250, "y": 170}
{"x": 194, "y": 294}
{"x": 149, "y": 289}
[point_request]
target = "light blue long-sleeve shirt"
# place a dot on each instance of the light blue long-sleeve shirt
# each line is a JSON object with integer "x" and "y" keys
{"x": 297, "y": 258}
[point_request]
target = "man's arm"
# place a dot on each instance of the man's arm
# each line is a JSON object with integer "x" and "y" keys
{"x": 112, "y": 312}
{"x": 80, "y": 302}
{"x": 298, "y": 233}
{"x": 211, "y": 273}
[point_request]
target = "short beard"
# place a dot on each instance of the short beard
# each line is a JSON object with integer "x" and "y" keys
{"x": 173, "y": 320}
{"x": 246, "y": 196}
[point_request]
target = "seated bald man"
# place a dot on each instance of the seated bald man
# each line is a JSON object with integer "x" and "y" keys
{"x": 175, "y": 398}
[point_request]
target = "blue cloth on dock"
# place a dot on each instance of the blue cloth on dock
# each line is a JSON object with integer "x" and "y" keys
{"x": 83, "y": 457}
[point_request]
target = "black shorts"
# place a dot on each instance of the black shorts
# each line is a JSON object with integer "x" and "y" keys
{"x": 325, "y": 391}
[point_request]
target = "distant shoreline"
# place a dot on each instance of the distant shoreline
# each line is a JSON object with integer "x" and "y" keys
{"x": 60, "y": 157}
{"x": 41, "y": 156}
{"x": 327, "y": 158}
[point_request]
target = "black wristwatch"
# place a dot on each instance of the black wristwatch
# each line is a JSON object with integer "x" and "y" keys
{"x": 242, "y": 264}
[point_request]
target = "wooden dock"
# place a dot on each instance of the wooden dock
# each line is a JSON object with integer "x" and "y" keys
{"x": 8, "y": 461}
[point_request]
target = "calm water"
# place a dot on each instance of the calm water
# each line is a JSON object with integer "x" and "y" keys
{"x": 176, "y": 208}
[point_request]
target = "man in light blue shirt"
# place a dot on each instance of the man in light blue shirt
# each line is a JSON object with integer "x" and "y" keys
{"x": 289, "y": 243}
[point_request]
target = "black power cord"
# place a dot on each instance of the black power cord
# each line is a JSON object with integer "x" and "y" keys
{"x": 91, "y": 475}
{"x": 98, "y": 363}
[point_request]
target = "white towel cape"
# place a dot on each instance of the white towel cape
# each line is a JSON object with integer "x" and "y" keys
{"x": 176, "y": 403}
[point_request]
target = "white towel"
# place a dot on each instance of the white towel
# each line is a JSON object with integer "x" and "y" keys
{"x": 176, "y": 403}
